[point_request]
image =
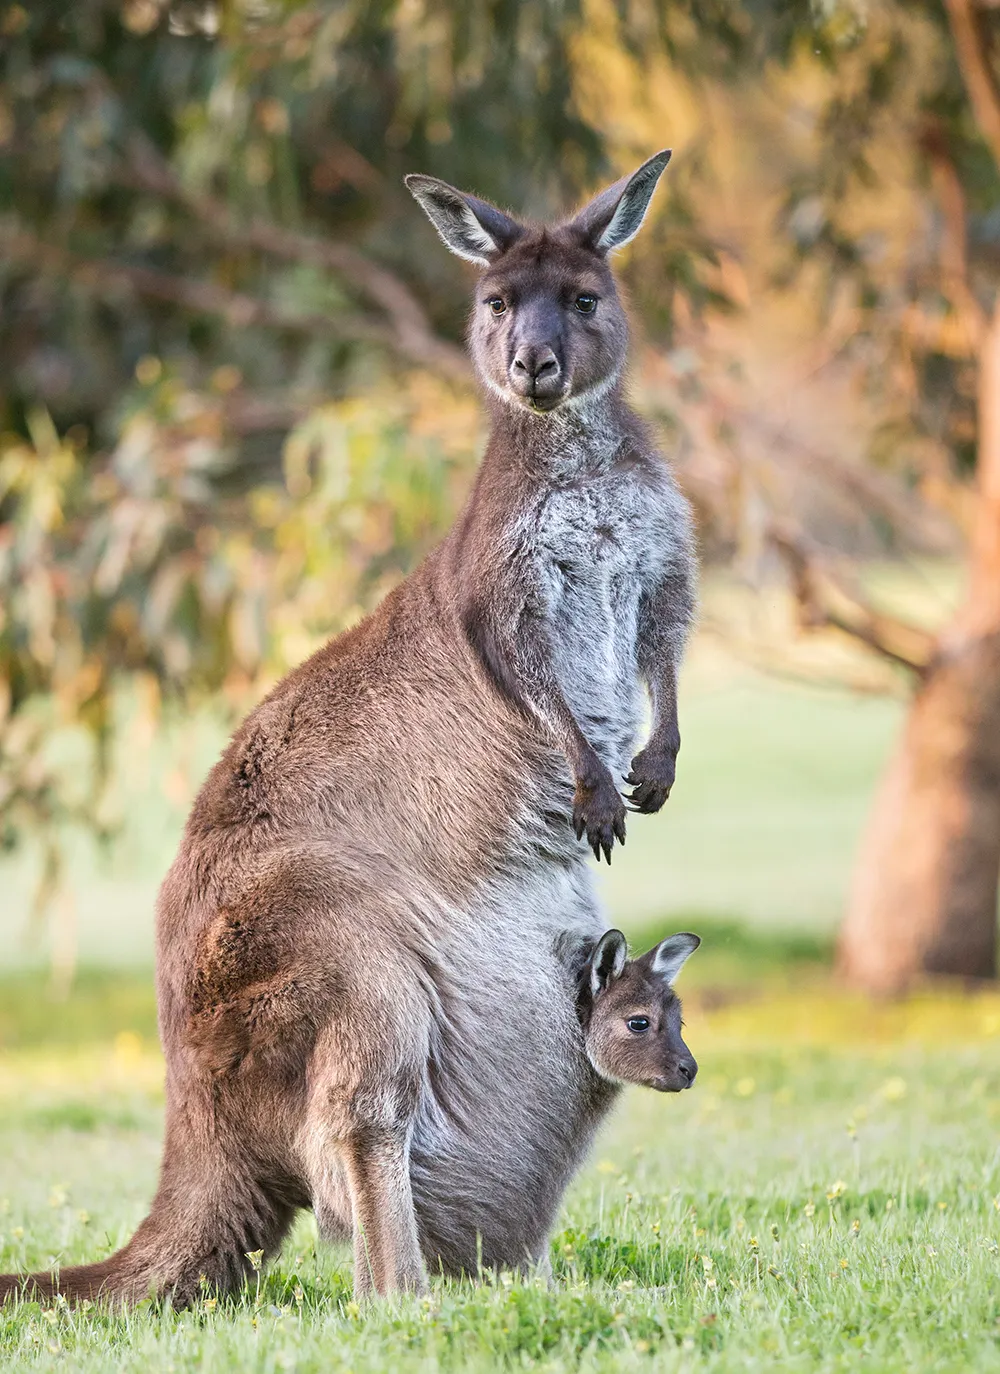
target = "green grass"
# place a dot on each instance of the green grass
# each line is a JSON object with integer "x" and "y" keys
{"x": 700, "y": 1236}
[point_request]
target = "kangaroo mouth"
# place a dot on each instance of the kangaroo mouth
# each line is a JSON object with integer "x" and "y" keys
{"x": 541, "y": 403}
{"x": 539, "y": 394}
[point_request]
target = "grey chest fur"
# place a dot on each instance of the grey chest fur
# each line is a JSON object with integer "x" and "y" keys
{"x": 597, "y": 551}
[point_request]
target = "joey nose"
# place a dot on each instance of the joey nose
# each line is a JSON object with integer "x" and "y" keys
{"x": 687, "y": 1069}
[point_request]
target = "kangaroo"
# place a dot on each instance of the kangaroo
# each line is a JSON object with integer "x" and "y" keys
{"x": 363, "y": 1003}
{"x": 631, "y": 1016}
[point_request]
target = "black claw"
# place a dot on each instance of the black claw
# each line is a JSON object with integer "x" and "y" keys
{"x": 647, "y": 795}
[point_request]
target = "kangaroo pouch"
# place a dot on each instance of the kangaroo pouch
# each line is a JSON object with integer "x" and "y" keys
{"x": 510, "y": 1102}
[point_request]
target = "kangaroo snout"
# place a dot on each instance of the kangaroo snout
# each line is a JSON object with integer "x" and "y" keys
{"x": 535, "y": 373}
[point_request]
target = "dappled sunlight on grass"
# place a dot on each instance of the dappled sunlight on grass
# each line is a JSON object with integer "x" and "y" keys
{"x": 821, "y": 1014}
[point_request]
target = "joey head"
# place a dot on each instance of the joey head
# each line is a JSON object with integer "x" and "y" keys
{"x": 631, "y": 1016}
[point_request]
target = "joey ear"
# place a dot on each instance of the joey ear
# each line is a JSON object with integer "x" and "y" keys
{"x": 607, "y": 960}
{"x": 614, "y": 217}
{"x": 470, "y": 227}
{"x": 672, "y": 954}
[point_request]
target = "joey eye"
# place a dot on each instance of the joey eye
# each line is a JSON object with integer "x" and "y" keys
{"x": 638, "y": 1024}
{"x": 497, "y": 305}
{"x": 586, "y": 304}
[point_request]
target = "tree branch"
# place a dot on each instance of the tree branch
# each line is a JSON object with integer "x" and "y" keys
{"x": 955, "y": 239}
{"x": 823, "y": 604}
{"x": 871, "y": 489}
{"x": 238, "y": 309}
{"x": 412, "y": 334}
{"x": 973, "y": 60}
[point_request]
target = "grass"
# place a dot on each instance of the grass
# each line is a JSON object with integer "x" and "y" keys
{"x": 825, "y": 1198}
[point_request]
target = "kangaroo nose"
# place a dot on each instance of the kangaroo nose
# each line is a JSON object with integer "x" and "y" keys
{"x": 687, "y": 1068}
{"x": 535, "y": 362}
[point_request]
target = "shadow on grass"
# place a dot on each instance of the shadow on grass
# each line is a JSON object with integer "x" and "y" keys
{"x": 580, "y": 1255}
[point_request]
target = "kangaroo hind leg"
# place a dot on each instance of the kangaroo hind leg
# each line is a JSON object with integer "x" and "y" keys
{"x": 357, "y": 1149}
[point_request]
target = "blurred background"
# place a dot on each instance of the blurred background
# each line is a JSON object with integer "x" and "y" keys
{"x": 235, "y": 408}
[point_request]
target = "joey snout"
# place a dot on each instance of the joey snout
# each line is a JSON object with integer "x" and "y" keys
{"x": 678, "y": 1076}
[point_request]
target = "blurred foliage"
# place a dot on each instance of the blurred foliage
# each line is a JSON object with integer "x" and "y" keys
{"x": 141, "y": 563}
{"x": 895, "y": 216}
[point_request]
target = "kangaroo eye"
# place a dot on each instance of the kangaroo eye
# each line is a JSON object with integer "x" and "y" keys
{"x": 497, "y": 304}
{"x": 586, "y": 304}
{"x": 638, "y": 1024}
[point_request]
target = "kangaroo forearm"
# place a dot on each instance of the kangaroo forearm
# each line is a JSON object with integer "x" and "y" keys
{"x": 663, "y": 690}
{"x": 665, "y": 619}
{"x": 663, "y": 624}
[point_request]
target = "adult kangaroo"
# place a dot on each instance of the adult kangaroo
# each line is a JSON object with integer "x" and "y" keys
{"x": 363, "y": 996}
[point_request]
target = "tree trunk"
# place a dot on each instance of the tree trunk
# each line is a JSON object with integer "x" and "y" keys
{"x": 924, "y": 898}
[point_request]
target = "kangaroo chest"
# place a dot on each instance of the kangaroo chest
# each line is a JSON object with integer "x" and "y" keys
{"x": 597, "y": 552}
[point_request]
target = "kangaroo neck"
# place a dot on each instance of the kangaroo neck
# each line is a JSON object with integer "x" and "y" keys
{"x": 566, "y": 443}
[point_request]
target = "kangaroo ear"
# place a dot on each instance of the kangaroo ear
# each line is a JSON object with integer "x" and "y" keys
{"x": 607, "y": 960}
{"x": 615, "y": 216}
{"x": 470, "y": 227}
{"x": 670, "y": 956}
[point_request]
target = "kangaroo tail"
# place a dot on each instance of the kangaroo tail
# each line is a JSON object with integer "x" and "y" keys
{"x": 189, "y": 1244}
{"x": 84, "y": 1281}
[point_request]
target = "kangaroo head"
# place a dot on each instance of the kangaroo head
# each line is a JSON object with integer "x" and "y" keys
{"x": 547, "y": 327}
{"x": 631, "y": 1015}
